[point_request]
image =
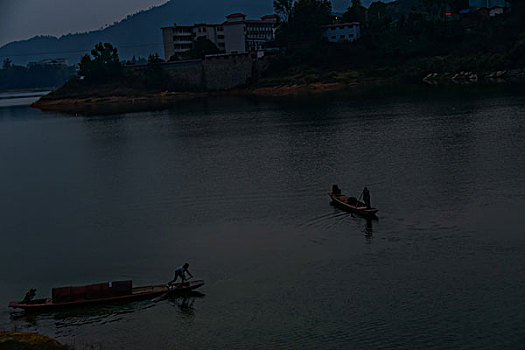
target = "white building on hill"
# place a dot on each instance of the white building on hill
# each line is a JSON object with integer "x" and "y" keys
{"x": 177, "y": 40}
{"x": 235, "y": 35}
{"x": 477, "y": 4}
{"x": 341, "y": 32}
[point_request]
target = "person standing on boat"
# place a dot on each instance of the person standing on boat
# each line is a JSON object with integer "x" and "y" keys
{"x": 366, "y": 197}
{"x": 180, "y": 271}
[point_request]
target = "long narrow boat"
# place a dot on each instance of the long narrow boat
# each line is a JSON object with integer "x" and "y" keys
{"x": 102, "y": 293}
{"x": 351, "y": 204}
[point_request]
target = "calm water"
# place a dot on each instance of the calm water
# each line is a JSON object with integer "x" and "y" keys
{"x": 238, "y": 188}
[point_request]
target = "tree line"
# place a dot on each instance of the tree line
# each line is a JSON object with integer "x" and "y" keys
{"x": 390, "y": 37}
{"x": 33, "y": 75}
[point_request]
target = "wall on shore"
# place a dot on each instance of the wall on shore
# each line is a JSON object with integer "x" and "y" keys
{"x": 221, "y": 72}
{"x": 188, "y": 76}
{"x": 227, "y": 72}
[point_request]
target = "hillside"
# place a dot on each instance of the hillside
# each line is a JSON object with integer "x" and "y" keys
{"x": 138, "y": 34}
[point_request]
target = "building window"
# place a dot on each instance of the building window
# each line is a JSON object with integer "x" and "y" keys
{"x": 334, "y": 37}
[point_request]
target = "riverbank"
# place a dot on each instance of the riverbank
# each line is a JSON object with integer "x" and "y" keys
{"x": 113, "y": 104}
{"x": 28, "y": 341}
{"x": 114, "y": 98}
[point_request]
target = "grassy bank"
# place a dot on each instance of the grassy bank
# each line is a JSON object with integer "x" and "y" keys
{"x": 28, "y": 341}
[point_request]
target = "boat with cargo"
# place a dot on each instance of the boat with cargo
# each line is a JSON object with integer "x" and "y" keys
{"x": 102, "y": 293}
{"x": 352, "y": 205}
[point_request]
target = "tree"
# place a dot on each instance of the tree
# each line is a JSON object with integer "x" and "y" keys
{"x": 154, "y": 76}
{"x": 518, "y": 13}
{"x": 6, "y": 64}
{"x": 379, "y": 16}
{"x": 305, "y": 21}
{"x": 517, "y": 54}
{"x": 153, "y": 60}
{"x": 104, "y": 66}
{"x": 355, "y": 13}
{"x": 283, "y": 8}
{"x": 202, "y": 47}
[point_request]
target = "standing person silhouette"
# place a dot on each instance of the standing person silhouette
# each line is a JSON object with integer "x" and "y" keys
{"x": 366, "y": 197}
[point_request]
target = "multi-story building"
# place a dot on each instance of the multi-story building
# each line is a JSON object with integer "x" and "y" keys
{"x": 244, "y": 35}
{"x": 342, "y": 32}
{"x": 177, "y": 40}
{"x": 477, "y": 4}
{"x": 212, "y": 32}
{"x": 235, "y": 35}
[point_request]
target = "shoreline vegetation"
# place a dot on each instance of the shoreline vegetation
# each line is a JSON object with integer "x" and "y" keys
{"x": 114, "y": 99}
{"x": 17, "y": 341}
{"x": 430, "y": 45}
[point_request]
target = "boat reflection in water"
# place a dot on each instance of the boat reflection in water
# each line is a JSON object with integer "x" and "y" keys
{"x": 185, "y": 303}
{"x": 65, "y": 319}
{"x": 369, "y": 229}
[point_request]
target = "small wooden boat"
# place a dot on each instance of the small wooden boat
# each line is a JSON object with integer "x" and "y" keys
{"x": 351, "y": 204}
{"x": 102, "y": 293}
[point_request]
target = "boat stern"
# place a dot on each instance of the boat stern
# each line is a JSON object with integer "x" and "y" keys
{"x": 14, "y": 304}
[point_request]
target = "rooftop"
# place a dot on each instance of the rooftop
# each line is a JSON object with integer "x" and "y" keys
{"x": 349, "y": 24}
{"x": 238, "y": 14}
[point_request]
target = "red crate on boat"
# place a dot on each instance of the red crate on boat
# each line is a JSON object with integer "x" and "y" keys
{"x": 61, "y": 294}
{"x": 78, "y": 293}
{"x": 121, "y": 287}
{"x": 96, "y": 291}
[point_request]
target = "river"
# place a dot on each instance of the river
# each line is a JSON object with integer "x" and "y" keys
{"x": 238, "y": 188}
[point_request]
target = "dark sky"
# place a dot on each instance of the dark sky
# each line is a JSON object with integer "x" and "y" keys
{"x": 23, "y": 19}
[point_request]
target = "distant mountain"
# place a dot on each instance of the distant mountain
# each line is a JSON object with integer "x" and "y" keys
{"x": 136, "y": 35}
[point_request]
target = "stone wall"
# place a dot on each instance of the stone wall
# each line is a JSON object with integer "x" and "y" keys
{"x": 227, "y": 72}
{"x": 188, "y": 76}
{"x": 221, "y": 72}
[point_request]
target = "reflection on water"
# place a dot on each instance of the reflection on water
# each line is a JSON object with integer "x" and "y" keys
{"x": 82, "y": 314}
{"x": 67, "y": 321}
{"x": 185, "y": 303}
{"x": 369, "y": 229}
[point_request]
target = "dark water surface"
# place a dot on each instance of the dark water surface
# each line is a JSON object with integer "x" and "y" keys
{"x": 238, "y": 188}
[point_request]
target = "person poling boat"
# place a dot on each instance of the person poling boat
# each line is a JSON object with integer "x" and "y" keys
{"x": 353, "y": 204}
{"x": 366, "y": 197}
{"x": 180, "y": 272}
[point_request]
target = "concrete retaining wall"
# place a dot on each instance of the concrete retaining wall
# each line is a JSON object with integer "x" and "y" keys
{"x": 187, "y": 76}
{"x": 221, "y": 72}
{"x": 227, "y": 72}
